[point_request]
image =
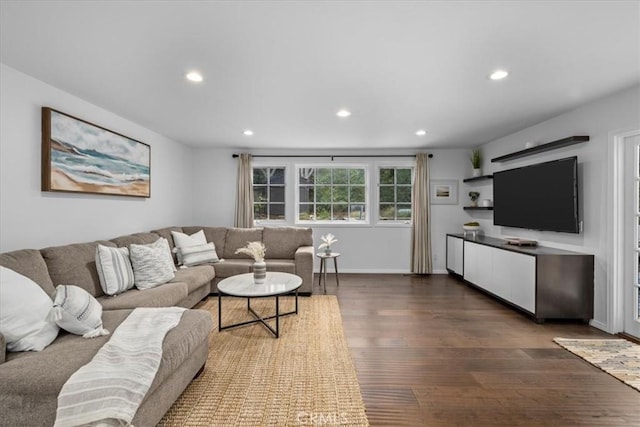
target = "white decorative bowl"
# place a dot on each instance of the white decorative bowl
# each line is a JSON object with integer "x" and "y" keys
{"x": 471, "y": 227}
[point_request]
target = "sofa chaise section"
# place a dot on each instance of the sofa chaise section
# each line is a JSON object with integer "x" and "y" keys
{"x": 31, "y": 381}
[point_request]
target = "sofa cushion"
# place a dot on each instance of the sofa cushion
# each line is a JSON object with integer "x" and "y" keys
{"x": 231, "y": 267}
{"x": 282, "y": 242}
{"x": 29, "y": 263}
{"x": 75, "y": 264}
{"x": 166, "y": 233}
{"x": 24, "y": 313}
{"x": 166, "y": 295}
{"x": 136, "y": 238}
{"x": 195, "y": 277}
{"x": 152, "y": 263}
{"x": 217, "y": 235}
{"x": 238, "y": 238}
{"x": 114, "y": 269}
{"x": 281, "y": 265}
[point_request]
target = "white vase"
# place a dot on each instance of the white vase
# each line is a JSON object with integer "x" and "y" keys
{"x": 259, "y": 272}
{"x": 477, "y": 172}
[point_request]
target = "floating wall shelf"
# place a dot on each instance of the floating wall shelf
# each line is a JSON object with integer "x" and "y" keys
{"x": 542, "y": 148}
{"x": 478, "y": 178}
{"x": 478, "y": 208}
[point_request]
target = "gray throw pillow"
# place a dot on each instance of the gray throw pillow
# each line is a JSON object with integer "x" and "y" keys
{"x": 152, "y": 264}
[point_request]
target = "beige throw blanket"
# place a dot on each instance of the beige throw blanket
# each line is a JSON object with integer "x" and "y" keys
{"x": 109, "y": 389}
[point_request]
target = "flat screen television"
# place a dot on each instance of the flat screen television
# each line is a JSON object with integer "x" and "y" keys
{"x": 542, "y": 196}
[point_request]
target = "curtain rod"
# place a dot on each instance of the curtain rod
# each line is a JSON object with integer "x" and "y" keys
{"x": 332, "y": 156}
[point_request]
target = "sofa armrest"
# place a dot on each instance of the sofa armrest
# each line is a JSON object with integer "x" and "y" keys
{"x": 304, "y": 267}
{"x": 3, "y": 349}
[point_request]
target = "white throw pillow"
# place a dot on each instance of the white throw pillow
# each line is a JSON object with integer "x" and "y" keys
{"x": 152, "y": 264}
{"x": 199, "y": 254}
{"x": 24, "y": 307}
{"x": 182, "y": 240}
{"x": 76, "y": 311}
{"x": 114, "y": 269}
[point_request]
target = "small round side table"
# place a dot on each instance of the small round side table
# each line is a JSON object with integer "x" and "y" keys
{"x": 323, "y": 267}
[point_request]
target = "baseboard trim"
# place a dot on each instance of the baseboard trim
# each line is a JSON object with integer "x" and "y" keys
{"x": 599, "y": 325}
{"x": 629, "y": 337}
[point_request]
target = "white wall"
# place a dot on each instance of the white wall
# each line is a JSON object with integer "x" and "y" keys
{"x": 598, "y": 120}
{"x": 370, "y": 248}
{"x": 31, "y": 218}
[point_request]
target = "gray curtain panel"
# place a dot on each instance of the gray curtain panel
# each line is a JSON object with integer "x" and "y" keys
{"x": 244, "y": 193}
{"x": 421, "y": 213}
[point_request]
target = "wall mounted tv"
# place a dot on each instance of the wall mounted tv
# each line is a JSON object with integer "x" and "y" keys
{"x": 543, "y": 196}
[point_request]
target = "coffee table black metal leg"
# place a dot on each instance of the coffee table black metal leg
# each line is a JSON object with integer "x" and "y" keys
{"x": 277, "y": 316}
{"x": 257, "y": 317}
{"x": 219, "y": 311}
{"x": 335, "y": 266}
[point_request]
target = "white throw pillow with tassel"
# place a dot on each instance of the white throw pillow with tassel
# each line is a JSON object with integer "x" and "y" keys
{"x": 76, "y": 311}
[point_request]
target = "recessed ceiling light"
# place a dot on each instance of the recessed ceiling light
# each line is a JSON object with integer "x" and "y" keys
{"x": 498, "y": 75}
{"x": 248, "y": 132}
{"x": 421, "y": 132}
{"x": 343, "y": 113}
{"x": 194, "y": 76}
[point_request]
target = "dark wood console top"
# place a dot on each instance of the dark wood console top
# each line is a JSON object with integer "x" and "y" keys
{"x": 501, "y": 244}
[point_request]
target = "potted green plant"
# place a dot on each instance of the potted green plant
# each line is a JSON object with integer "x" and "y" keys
{"x": 476, "y": 161}
{"x": 473, "y": 195}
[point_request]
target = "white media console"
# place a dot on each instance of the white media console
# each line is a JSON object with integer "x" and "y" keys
{"x": 544, "y": 282}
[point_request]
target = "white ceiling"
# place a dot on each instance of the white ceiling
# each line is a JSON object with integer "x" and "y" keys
{"x": 284, "y": 68}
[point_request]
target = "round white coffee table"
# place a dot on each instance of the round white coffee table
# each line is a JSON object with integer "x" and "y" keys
{"x": 243, "y": 286}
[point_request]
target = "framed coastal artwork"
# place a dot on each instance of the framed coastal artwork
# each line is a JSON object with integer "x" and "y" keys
{"x": 443, "y": 192}
{"x": 80, "y": 157}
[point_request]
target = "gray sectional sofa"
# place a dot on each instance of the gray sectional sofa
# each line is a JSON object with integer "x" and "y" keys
{"x": 30, "y": 381}
{"x": 289, "y": 250}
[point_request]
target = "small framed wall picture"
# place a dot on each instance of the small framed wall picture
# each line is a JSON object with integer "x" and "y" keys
{"x": 443, "y": 191}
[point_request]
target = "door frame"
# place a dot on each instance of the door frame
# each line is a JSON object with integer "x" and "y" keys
{"x": 615, "y": 257}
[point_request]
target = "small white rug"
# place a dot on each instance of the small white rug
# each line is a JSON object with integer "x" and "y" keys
{"x": 617, "y": 357}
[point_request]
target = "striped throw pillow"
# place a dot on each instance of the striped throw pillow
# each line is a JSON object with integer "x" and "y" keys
{"x": 152, "y": 264}
{"x": 198, "y": 254}
{"x": 182, "y": 240}
{"x": 114, "y": 269}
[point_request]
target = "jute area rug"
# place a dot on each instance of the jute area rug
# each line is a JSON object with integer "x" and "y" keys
{"x": 305, "y": 377}
{"x": 617, "y": 357}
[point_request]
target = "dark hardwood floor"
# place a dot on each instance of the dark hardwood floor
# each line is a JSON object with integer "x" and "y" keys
{"x": 432, "y": 351}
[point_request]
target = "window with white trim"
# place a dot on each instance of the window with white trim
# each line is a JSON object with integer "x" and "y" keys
{"x": 269, "y": 193}
{"x": 331, "y": 193}
{"x": 394, "y": 193}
